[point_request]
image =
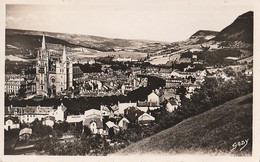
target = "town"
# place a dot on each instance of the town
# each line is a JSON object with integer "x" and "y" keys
{"x": 60, "y": 78}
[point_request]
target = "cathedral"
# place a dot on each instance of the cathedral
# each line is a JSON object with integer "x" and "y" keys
{"x": 53, "y": 74}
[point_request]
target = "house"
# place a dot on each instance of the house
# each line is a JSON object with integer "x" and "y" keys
{"x": 191, "y": 88}
{"x": 111, "y": 128}
{"x": 184, "y": 60}
{"x": 145, "y": 119}
{"x": 123, "y": 59}
{"x": 145, "y": 106}
{"x": 91, "y": 113}
{"x": 25, "y": 133}
{"x": 28, "y": 114}
{"x": 13, "y": 84}
{"x": 165, "y": 73}
{"x": 59, "y": 113}
{"x": 132, "y": 114}
{"x": 93, "y": 120}
{"x": 123, "y": 123}
{"x": 94, "y": 123}
{"x": 225, "y": 76}
{"x": 91, "y": 62}
{"x": 155, "y": 96}
{"x": 48, "y": 121}
{"x": 123, "y": 106}
{"x": 173, "y": 82}
{"x": 115, "y": 110}
{"x": 104, "y": 110}
{"x": 11, "y": 123}
{"x": 175, "y": 74}
{"x": 172, "y": 105}
{"x": 249, "y": 72}
{"x": 75, "y": 118}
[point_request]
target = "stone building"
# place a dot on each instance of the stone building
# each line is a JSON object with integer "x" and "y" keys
{"x": 53, "y": 74}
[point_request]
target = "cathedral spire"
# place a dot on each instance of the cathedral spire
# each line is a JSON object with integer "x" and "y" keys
{"x": 43, "y": 42}
{"x": 64, "y": 54}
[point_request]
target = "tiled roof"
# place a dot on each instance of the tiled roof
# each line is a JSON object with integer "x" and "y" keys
{"x": 92, "y": 112}
{"x": 132, "y": 114}
{"x": 110, "y": 124}
{"x": 25, "y": 131}
{"x": 49, "y": 118}
{"x": 146, "y": 117}
{"x": 14, "y": 119}
{"x": 97, "y": 120}
{"x": 77, "y": 70}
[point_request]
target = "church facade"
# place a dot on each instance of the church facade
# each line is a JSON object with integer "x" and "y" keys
{"x": 53, "y": 74}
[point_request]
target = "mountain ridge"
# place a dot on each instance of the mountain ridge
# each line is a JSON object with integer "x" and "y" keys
{"x": 241, "y": 29}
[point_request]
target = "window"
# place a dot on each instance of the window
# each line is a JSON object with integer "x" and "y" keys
{"x": 41, "y": 87}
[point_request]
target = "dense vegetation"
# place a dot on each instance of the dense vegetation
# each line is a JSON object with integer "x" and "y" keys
{"x": 213, "y": 132}
{"x": 15, "y": 67}
{"x": 214, "y": 92}
{"x": 217, "y": 57}
{"x": 87, "y": 68}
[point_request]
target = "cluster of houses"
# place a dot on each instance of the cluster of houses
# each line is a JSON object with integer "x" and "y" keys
{"x": 105, "y": 121}
{"x": 107, "y": 84}
{"x": 108, "y": 120}
{"x": 189, "y": 78}
{"x": 13, "y": 82}
{"x": 14, "y": 116}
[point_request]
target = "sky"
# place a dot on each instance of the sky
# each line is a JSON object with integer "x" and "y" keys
{"x": 168, "y": 21}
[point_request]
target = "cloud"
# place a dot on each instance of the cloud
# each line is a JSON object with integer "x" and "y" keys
{"x": 12, "y": 21}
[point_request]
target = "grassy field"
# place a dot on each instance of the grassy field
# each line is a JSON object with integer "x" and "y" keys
{"x": 213, "y": 132}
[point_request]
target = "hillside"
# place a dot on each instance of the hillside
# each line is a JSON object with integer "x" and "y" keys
{"x": 32, "y": 39}
{"x": 202, "y": 36}
{"x": 238, "y": 35}
{"x": 240, "y": 30}
{"x": 212, "y": 132}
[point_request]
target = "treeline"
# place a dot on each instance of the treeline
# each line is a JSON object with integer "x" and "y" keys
{"x": 87, "y": 68}
{"x": 217, "y": 57}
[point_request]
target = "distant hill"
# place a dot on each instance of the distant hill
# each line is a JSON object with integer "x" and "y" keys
{"x": 202, "y": 36}
{"x": 213, "y": 132}
{"x": 32, "y": 39}
{"x": 240, "y": 30}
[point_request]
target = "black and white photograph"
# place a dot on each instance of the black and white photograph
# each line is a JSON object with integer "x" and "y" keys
{"x": 119, "y": 78}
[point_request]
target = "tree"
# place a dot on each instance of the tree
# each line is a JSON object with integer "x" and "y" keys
{"x": 40, "y": 130}
{"x": 22, "y": 90}
{"x": 63, "y": 127}
{"x": 230, "y": 72}
{"x": 182, "y": 92}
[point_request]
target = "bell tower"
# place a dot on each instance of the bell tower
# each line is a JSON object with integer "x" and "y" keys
{"x": 42, "y": 70}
